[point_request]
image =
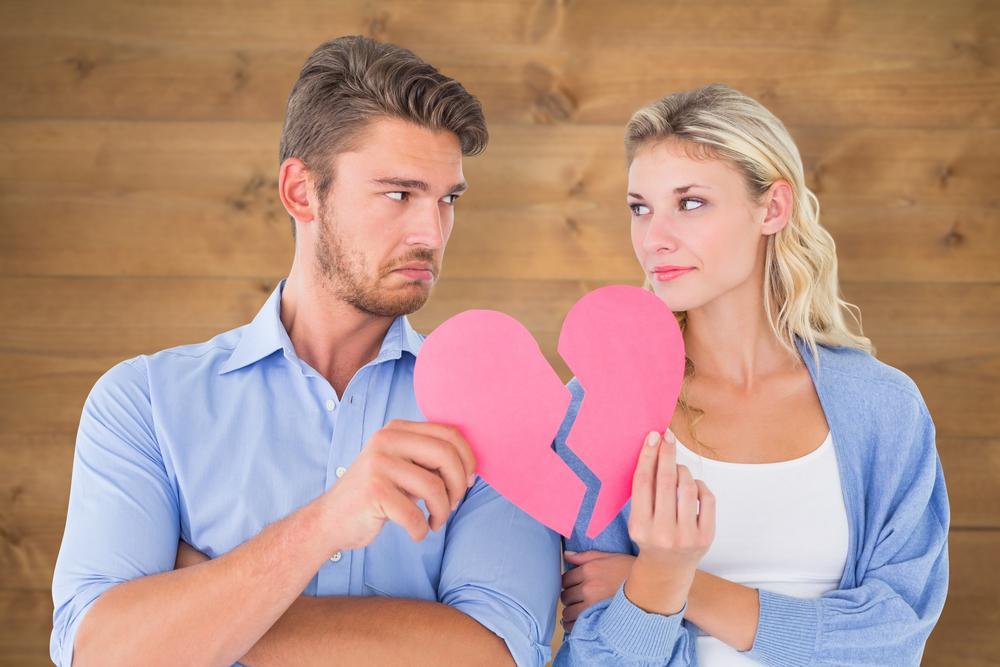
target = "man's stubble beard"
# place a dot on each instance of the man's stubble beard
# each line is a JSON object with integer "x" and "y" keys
{"x": 344, "y": 273}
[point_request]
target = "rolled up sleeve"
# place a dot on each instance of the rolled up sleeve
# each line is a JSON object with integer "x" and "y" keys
{"x": 122, "y": 521}
{"x": 501, "y": 567}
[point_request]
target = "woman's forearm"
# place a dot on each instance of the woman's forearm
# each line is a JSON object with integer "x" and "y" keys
{"x": 727, "y": 611}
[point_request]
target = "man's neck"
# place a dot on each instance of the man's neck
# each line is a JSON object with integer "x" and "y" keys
{"x": 333, "y": 337}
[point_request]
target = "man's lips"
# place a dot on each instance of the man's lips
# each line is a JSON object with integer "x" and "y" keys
{"x": 667, "y": 273}
{"x": 416, "y": 271}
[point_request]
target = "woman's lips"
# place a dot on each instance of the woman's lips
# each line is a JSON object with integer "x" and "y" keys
{"x": 668, "y": 273}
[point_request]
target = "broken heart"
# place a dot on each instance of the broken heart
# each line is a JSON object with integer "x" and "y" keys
{"x": 483, "y": 372}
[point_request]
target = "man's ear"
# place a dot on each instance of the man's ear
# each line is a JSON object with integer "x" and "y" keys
{"x": 779, "y": 208}
{"x": 294, "y": 186}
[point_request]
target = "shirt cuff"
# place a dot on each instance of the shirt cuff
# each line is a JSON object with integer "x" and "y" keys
{"x": 631, "y": 631}
{"x": 787, "y": 630}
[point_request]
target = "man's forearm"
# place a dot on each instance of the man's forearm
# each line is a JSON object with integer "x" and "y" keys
{"x": 727, "y": 611}
{"x": 376, "y": 630}
{"x": 210, "y": 614}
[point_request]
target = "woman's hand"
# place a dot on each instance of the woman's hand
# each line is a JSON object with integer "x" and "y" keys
{"x": 596, "y": 577}
{"x": 672, "y": 522}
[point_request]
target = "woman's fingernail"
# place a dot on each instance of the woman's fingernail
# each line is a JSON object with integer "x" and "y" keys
{"x": 472, "y": 480}
{"x": 570, "y": 553}
{"x": 652, "y": 439}
{"x": 671, "y": 438}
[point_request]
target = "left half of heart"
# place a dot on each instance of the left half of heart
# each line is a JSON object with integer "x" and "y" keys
{"x": 483, "y": 372}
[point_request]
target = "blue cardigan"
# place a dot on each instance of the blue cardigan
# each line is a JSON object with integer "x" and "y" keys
{"x": 896, "y": 579}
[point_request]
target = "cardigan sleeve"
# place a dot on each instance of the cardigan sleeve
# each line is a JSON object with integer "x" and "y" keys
{"x": 888, "y": 616}
{"x": 617, "y": 632}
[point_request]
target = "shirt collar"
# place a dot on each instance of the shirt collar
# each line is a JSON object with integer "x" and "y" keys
{"x": 266, "y": 334}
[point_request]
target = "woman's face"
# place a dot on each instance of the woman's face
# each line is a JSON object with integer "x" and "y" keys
{"x": 696, "y": 230}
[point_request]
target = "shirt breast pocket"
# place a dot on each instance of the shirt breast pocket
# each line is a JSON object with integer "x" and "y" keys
{"x": 396, "y": 566}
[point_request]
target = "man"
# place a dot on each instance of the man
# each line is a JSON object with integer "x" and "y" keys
{"x": 336, "y": 526}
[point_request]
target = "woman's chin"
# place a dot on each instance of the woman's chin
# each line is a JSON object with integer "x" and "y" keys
{"x": 676, "y": 300}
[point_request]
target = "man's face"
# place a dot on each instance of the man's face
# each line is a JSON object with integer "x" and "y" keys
{"x": 382, "y": 230}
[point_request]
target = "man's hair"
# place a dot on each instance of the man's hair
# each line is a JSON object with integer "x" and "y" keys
{"x": 349, "y": 81}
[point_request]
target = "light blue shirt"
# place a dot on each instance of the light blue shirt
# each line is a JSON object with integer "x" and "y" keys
{"x": 212, "y": 442}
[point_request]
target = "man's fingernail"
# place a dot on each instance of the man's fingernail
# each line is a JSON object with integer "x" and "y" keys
{"x": 472, "y": 479}
{"x": 652, "y": 439}
{"x": 570, "y": 553}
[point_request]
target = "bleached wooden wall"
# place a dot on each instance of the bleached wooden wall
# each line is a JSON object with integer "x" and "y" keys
{"x": 138, "y": 156}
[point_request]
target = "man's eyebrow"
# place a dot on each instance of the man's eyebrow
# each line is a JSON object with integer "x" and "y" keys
{"x": 407, "y": 183}
{"x": 413, "y": 184}
{"x": 634, "y": 195}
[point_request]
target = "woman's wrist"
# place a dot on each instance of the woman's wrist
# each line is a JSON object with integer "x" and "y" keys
{"x": 656, "y": 587}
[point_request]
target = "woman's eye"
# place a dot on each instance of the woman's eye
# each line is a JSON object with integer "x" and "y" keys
{"x": 397, "y": 196}
{"x": 689, "y": 204}
{"x": 639, "y": 209}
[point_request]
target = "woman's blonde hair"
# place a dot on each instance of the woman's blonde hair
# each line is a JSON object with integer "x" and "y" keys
{"x": 801, "y": 291}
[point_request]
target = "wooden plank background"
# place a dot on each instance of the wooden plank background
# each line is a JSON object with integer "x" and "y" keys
{"x": 138, "y": 156}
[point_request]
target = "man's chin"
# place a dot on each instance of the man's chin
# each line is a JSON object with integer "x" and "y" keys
{"x": 403, "y": 300}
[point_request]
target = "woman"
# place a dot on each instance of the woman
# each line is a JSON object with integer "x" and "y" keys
{"x": 823, "y": 538}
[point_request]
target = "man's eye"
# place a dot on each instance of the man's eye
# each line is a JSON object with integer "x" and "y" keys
{"x": 639, "y": 209}
{"x": 397, "y": 196}
{"x": 449, "y": 199}
{"x": 689, "y": 204}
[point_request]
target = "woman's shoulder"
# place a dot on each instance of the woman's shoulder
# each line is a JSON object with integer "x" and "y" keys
{"x": 849, "y": 374}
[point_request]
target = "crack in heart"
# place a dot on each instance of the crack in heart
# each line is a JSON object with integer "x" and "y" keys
{"x": 483, "y": 372}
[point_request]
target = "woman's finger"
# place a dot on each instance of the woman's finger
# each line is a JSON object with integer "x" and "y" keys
{"x": 706, "y": 512}
{"x": 643, "y": 480}
{"x": 665, "y": 510}
{"x": 687, "y": 502}
{"x": 572, "y": 577}
{"x": 571, "y": 595}
{"x": 572, "y": 612}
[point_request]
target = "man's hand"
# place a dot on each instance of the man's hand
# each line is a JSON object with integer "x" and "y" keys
{"x": 402, "y": 463}
{"x": 596, "y": 577}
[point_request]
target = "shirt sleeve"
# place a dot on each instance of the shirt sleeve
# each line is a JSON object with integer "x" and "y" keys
{"x": 887, "y": 618}
{"x": 501, "y": 567}
{"x": 123, "y": 520}
{"x": 617, "y": 632}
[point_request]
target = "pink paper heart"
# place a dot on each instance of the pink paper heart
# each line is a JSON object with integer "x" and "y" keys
{"x": 483, "y": 372}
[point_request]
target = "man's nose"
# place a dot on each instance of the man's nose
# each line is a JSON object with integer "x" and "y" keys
{"x": 426, "y": 227}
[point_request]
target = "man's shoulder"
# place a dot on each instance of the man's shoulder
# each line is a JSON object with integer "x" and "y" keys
{"x": 179, "y": 361}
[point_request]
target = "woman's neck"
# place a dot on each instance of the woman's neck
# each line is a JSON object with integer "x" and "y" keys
{"x": 731, "y": 339}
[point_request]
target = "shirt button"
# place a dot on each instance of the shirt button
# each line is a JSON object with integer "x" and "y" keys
{"x": 335, "y": 558}
{"x": 341, "y": 471}
{"x": 330, "y": 405}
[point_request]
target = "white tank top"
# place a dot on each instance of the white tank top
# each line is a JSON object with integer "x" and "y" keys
{"x": 779, "y": 526}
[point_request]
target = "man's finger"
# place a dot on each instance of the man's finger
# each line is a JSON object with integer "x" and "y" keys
{"x": 399, "y": 509}
{"x": 432, "y": 453}
{"x": 449, "y": 434}
{"x": 418, "y": 482}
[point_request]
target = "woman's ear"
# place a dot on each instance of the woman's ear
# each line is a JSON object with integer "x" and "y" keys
{"x": 779, "y": 208}
{"x": 293, "y": 188}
